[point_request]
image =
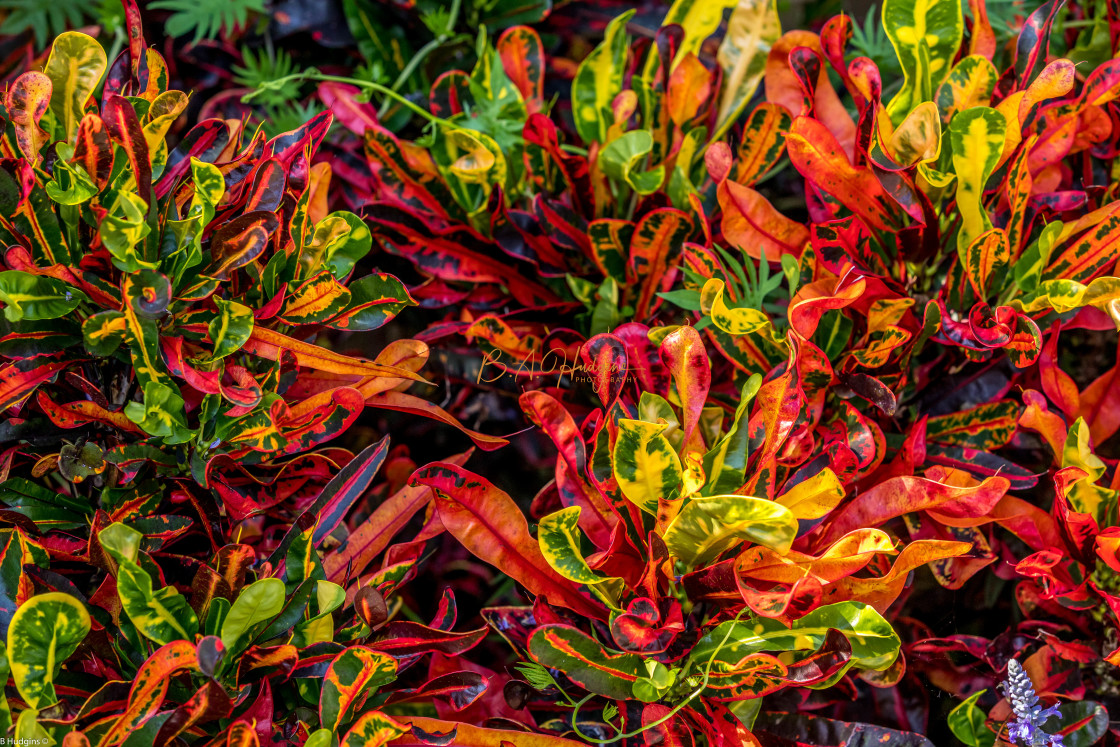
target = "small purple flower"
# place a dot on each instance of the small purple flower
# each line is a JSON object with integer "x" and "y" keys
{"x": 1026, "y": 729}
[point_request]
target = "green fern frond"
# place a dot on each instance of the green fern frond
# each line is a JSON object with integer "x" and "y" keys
{"x": 264, "y": 67}
{"x": 46, "y": 18}
{"x": 206, "y": 18}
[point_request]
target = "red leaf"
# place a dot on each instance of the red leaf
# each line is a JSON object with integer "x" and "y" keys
{"x": 491, "y": 526}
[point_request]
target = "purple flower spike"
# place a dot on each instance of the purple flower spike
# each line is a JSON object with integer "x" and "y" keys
{"x": 1026, "y": 729}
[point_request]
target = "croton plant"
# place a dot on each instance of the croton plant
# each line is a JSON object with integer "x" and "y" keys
{"x": 811, "y": 338}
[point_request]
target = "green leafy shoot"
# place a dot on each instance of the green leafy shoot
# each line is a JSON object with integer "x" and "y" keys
{"x": 748, "y": 285}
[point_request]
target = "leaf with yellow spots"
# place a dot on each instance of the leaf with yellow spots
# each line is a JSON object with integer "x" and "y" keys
{"x": 558, "y": 535}
{"x": 734, "y": 321}
{"x": 986, "y": 262}
{"x": 645, "y": 465}
{"x": 707, "y": 526}
{"x": 753, "y": 27}
{"x": 918, "y": 138}
{"x": 814, "y": 497}
{"x": 231, "y": 328}
{"x": 970, "y": 84}
{"x": 599, "y": 80}
{"x": 926, "y": 35}
{"x": 353, "y": 674}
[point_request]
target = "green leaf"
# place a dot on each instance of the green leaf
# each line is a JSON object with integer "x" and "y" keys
{"x": 340, "y": 240}
{"x": 645, "y": 465}
{"x": 162, "y": 414}
{"x": 874, "y": 643}
{"x": 967, "y": 723}
{"x": 162, "y": 616}
{"x": 123, "y": 229}
{"x": 45, "y": 631}
{"x": 585, "y": 661}
{"x": 1028, "y": 268}
{"x": 726, "y": 464}
{"x": 69, "y": 185}
{"x": 257, "y": 604}
{"x": 28, "y": 297}
{"x": 622, "y": 157}
{"x": 707, "y": 526}
{"x": 230, "y": 329}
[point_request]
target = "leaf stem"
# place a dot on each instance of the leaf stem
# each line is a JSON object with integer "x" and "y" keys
{"x": 422, "y": 54}
{"x": 676, "y": 709}
{"x": 377, "y": 87}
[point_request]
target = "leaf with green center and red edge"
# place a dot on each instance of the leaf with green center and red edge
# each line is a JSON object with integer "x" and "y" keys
{"x": 654, "y": 248}
{"x": 374, "y": 300}
{"x": 585, "y": 662}
{"x": 986, "y": 427}
{"x": 353, "y": 673}
{"x": 488, "y": 523}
